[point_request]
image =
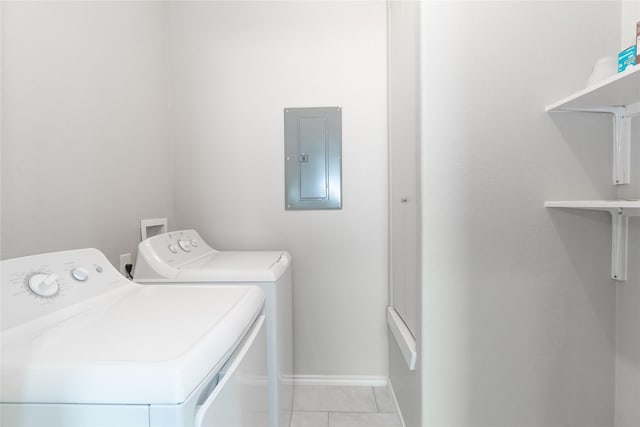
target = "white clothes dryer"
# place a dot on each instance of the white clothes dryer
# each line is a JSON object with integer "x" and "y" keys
{"x": 83, "y": 346}
{"x": 183, "y": 256}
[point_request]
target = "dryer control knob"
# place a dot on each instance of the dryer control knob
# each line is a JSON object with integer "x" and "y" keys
{"x": 184, "y": 245}
{"x": 44, "y": 285}
{"x": 173, "y": 248}
{"x": 194, "y": 243}
{"x": 80, "y": 274}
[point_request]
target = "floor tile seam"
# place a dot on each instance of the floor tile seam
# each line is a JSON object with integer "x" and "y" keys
{"x": 346, "y": 410}
{"x": 355, "y": 412}
{"x": 375, "y": 399}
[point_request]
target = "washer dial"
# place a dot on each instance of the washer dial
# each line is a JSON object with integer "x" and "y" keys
{"x": 44, "y": 285}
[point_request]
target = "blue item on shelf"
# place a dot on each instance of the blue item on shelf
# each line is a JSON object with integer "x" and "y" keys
{"x": 626, "y": 58}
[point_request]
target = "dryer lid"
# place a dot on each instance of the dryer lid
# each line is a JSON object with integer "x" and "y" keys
{"x": 135, "y": 345}
{"x": 232, "y": 266}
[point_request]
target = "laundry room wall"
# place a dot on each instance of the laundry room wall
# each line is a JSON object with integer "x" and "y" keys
{"x": 628, "y": 334}
{"x": 85, "y": 130}
{"x": 519, "y": 309}
{"x": 628, "y": 294}
{"x": 236, "y": 66}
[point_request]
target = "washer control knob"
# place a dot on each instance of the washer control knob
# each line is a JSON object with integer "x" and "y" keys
{"x": 173, "y": 248}
{"x": 44, "y": 285}
{"x": 184, "y": 245}
{"x": 80, "y": 274}
{"x": 194, "y": 243}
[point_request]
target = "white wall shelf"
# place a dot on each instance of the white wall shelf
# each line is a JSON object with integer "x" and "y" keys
{"x": 618, "y": 90}
{"x": 630, "y": 207}
{"x": 618, "y": 95}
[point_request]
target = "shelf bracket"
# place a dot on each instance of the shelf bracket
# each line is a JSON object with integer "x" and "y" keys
{"x": 621, "y": 138}
{"x": 619, "y": 243}
{"x": 620, "y": 211}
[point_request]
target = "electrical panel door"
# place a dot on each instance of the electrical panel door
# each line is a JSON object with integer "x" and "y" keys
{"x": 313, "y": 158}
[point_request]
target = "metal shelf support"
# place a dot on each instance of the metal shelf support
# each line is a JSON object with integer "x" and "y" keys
{"x": 621, "y": 137}
{"x": 619, "y": 244}
{"x": 620, "y": 211}
{"x": 619, "y": 241}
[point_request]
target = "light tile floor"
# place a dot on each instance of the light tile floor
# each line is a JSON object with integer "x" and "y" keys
{"x": 344, "y": 406}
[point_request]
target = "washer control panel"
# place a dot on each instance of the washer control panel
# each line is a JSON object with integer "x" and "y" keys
{"x": 38, "y": 285}
{"x": 185, "y": 245}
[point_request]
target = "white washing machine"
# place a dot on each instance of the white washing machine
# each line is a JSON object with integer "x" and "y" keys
{"x": 183, "y": 256}
{"x": 83, "y": 346}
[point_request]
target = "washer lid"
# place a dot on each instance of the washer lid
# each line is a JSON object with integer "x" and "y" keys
{"x": 232, "y": 266}
{"x": 138, "y": 344}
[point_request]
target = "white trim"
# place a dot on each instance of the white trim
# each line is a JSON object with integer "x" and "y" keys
{"x": 405, "y": 340}
{"x": 347, "y": 380}
{"x": 395, "y": 401}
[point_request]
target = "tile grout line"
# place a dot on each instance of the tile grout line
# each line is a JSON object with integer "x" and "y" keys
{"x": 345, "y": 412}
{"x": 396, "y": 423}
{"x": 375, "y": 399}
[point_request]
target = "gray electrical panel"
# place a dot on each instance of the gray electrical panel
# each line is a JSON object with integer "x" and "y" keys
{"x": 313, "y": 158}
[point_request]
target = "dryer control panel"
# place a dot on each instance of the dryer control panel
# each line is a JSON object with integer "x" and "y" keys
{"x": 184, "y": 256}
{"x": 38, "y": 285}
{"x": 179, "y": 246}
{"x": 168, "y": 252}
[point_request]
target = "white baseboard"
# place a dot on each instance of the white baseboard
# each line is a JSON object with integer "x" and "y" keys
{"x": 347, "y": 380}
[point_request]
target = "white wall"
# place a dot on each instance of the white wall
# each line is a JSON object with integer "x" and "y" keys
{"x": 519, "y": 310}
{"x": 628, "y": 336}
{"x": 628, "y": 293}
{"x": 85, "y": 135}
{"x": 236, "y": 66}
